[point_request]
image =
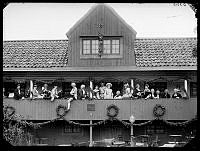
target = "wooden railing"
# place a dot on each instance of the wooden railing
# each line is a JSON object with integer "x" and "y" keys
{"x": 176, "y": 109}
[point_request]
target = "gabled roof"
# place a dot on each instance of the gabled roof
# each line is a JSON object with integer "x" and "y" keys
{"x": 92, "y": 9}
{"x": 35, "y": 54}
{"x": 150, "y": 53}
{"x": 155, "y": 52}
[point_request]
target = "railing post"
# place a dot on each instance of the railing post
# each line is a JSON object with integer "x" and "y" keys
{"x": 132, "y": 85}
{"x": 91, "y": 142}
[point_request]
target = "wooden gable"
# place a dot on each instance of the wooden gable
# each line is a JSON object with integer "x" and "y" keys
{"x": 112, "y": 26}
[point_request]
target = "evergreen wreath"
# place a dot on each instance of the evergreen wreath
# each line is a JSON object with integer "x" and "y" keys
{"x": 159, "y": 110}
{"x": 11, "y": 112}
{"x": 112, "y": 111}
{"x": 59, "y": 109}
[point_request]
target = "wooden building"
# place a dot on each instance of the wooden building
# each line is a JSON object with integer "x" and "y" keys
{"x": 163, "y": 63}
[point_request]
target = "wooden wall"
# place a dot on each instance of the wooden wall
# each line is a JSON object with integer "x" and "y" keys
{"x": 112, "y": 27}
{"x": 141, "y": 109}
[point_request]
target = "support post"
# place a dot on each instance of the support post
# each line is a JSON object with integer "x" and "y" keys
{"x": 91, "y": 87}
{"x": 132, "y": 86}
{"x": 132, "y": 137}
{"x": 31, "y": 88}
{"x": 91, "y": 142}
{"x": 185, "y": 85}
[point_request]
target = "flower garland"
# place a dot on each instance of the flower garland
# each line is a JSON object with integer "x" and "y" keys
{"x": 111, "y": 108}
{"x": 159, "y": 110}
{"x": 61, "y": 111}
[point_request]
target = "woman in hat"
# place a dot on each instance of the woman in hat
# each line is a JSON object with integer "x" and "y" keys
{"x": 45, "y": 92}
{"x": 73, "y": 94}
{"x": 108, "y": 91}
{"x": 176, "y": 94}
{"x": 54, "y": 93}
{"x": 127, "y": 92}
{"x": 35, "y": 92}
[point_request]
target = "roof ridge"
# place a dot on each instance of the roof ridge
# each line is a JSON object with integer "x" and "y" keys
{"x": 33, "y": 40}
{"x": 166, "y": 38}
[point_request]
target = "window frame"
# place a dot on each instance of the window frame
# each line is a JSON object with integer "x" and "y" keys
{"x": 104, "y": 55}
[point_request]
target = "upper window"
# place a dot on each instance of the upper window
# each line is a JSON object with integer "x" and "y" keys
{"x": 193, "y": 89}
{"x": 91, "y": 46}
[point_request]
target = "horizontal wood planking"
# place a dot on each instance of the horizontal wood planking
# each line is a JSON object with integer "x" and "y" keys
{"x": 141, "y": 109}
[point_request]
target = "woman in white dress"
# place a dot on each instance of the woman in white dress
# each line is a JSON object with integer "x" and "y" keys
{"x": 127, "y": 92}
{"x": 54, "y": 93}
{"x": 73, "y": 93}
{"x": 108, "y": 91}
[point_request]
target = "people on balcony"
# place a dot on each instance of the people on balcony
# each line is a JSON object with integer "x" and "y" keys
{"x": 176, "y": 94}
{"x": 127, "y": 92}
{"x": 18, "y": 94}
{"x": 165, "y": 94}
{"x": 54, "y": 93}
{"x": 45, "y": 92}
{"x": 185, "y": 94}
{"x": 108, "y": 94}
{"x": 137, "y": 93}
{"x": 96, "y": 92}
{"x": 36, "y": 93}
{"x": 118, "y": 95}
{"x": 82, "y": 92}
{"x": 157, "y": 94}
{"x": 102, "y": 90}
{"x": 146, "y": 92}
{"x": 73, "y": 94}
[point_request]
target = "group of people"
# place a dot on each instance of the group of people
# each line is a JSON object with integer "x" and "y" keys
{"x": 102, "y": 92}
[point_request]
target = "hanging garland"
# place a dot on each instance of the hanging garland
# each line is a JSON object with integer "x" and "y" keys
{"x": 61, "y": 111}
{"x": 159, "y": 110}
{"x": 112, "y": 111}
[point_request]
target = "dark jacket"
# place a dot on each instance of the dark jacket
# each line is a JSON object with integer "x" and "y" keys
{"x": 178, "y": 95}
{"x": 165, "y": 95}
{"x": 81, "y": 95}
{"x": 18, "y": 96}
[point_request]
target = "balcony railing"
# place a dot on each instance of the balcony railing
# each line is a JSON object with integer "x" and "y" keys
{"x": 39, "y": 109}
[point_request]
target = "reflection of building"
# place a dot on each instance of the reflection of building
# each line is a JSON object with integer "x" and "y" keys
{"x": 161, "y": 62}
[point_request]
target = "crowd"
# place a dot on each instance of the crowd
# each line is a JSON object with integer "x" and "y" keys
{"x": 102, "y": 92}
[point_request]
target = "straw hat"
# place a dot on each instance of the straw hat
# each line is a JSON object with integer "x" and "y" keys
{"x": 109, "y": 84}
{"x": 73, "y": 84}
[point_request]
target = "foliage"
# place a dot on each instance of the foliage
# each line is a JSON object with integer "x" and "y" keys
{"x": 14, "y": 128}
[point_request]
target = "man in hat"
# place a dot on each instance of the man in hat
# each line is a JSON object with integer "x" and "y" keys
{"x": 17, "y": 93}
{"x": 108, "y": 91}
{"x": 102, "y": 90}
{"x": 82, "y": 92}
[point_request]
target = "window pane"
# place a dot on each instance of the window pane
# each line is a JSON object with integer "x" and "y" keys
{"x": 106, "y": 46}
{"x": 86, "y": 46}
{"x": 95, "y": 46}
{"x": 115, "y": 46}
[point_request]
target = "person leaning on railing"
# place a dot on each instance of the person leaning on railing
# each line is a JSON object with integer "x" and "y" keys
{"x": 96, "y": 92}
{"x": 137, "y": 93}
{"x": 82, "y": 92}
{"x": 108, "y": 91}
{"x": 118, "y": 95}
{"x": 147, "y": 92}
{"x": 176, "y": 94}
{"x": 127, "y": 92}
{"x": 35, "y": 93}
{"x": 18, "y": 94}
{"x": 45, "y": 92}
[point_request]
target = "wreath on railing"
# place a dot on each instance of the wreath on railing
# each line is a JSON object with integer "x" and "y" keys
{"x": 159, "y": 110}
{"x": 9, "y": 110}
{"x": 112, "y": 111}
{"x": 61, "y": 111}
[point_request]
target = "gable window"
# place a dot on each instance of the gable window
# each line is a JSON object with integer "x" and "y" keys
{"x": 86, "y": 46}
{"x": 112, "y": 47}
